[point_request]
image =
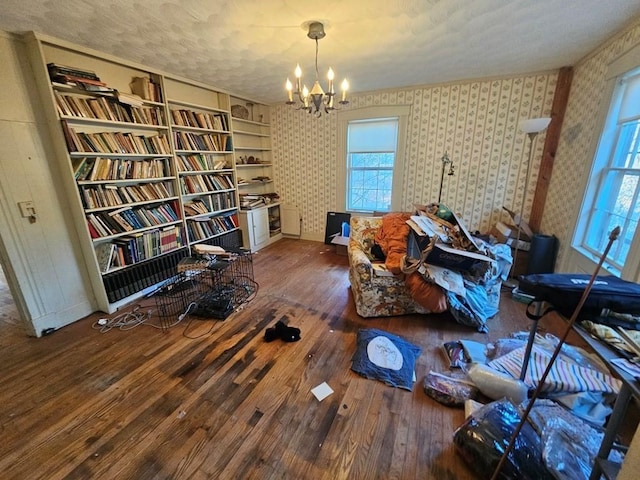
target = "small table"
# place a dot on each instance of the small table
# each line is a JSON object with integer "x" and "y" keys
{"x": 630, "y": 387}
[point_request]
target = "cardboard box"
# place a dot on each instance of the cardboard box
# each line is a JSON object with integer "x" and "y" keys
{"x": 341, "y": 244}
{"x": 511, "y": 231}
{"x": 521, "y": 264}
{"x": 522, "y": 244}
{"x": 461, "y": 260}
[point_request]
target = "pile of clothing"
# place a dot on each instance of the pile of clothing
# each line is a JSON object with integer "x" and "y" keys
{"x": 445, "y": 267}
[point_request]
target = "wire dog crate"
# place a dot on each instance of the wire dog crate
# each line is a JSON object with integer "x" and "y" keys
{"x": 208, "y": 288}
{"x": 235, "y": 272}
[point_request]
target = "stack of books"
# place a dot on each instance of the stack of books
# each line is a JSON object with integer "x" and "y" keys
{"x": 76, "y": 77}
{"x": 248, "y": 201}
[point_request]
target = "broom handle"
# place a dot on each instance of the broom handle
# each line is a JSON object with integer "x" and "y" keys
{"x": 612, "y": 237}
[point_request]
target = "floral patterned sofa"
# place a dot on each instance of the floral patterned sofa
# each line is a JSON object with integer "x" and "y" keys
{"x": 385, "y": 296}
{"x": 374, "y": 296}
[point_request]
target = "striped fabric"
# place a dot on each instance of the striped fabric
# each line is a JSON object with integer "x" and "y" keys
{"x": 563, "y": 377}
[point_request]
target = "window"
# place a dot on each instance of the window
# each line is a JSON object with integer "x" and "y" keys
{"x": 371, "y": 154}
{"x": 371, "y": 164}
{"x": 613, "y": 196}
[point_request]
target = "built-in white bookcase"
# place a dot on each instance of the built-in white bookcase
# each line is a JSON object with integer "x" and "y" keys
{"x": 259, "y": 203}
{"x": 145, "y": 160}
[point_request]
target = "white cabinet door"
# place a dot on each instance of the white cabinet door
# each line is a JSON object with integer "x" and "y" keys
{"x": 255, "y": 228}
{"x": 260, "y": 226}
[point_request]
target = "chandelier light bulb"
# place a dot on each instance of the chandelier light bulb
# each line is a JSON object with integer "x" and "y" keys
{"x": 289, "y": 88}
{"x": 344, "y": 86}
{"x": 330, "y": 76}
{"x": 298, "y": 71}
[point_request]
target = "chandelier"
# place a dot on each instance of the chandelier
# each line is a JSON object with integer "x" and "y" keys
{"x": 315, "y": 100}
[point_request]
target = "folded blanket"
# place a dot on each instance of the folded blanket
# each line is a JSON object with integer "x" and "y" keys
{"x": 563, "y": 376}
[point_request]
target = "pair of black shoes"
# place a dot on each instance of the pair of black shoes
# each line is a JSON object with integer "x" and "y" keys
{"x": 283, "y": 332}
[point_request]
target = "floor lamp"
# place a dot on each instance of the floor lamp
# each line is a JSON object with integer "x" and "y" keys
{"x": 532, "y": 127}
{"x": 445, "y": 162}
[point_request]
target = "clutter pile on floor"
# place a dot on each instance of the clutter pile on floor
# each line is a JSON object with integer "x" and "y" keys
{"x": 563, "y": 431}
{"x": 564, "y": 428}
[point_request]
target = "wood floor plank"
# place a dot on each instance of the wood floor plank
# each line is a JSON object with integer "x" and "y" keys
{"x": 210, "y": 399}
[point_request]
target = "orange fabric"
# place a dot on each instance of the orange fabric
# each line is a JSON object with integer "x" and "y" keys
{"x": 392, "y": 238}
{"x": 429, "y": 295}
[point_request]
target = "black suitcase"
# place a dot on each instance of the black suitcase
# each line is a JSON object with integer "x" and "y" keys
{"x": 564, "y": 290}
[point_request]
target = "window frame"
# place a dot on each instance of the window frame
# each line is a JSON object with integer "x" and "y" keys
{"x": 583, "y": 259}
{"x": 401, "y": 112}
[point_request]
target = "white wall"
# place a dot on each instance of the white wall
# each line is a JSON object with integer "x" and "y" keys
{"x": 39, "y": 258}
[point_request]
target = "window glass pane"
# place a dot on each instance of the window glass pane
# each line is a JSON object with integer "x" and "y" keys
{"x": 370, "y": 190}
{"x": 372, "y": 160}
{"x": 627, "y": 148}
{"x": 618, "y": 205}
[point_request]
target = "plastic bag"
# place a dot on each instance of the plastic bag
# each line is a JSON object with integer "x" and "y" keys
{"x": 564, "y": 452}
{"x": 483, "y": 437}
{"x": 496, "y": 384}
{"x": 503, "y": 346}
{"x": 449, "y": 390}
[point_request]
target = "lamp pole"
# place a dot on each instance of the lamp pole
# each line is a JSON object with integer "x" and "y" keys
{"x": 532, "y": 127}
{"x": 445, "y": 160}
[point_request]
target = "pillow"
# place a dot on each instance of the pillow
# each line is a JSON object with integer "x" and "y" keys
{"x": 382, "y": 356}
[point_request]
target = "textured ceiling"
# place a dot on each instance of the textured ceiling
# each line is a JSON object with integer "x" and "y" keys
{"x": 250, "y": 47}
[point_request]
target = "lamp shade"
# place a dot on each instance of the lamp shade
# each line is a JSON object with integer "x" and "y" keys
{"x": 534, "y": 125}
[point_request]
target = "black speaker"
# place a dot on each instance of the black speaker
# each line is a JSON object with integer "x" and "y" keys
{"x": 542, "y": 254}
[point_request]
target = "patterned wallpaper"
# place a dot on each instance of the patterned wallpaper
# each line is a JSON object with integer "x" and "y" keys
{"x": 475, "y": 122}
{"x": 575, "y": 149}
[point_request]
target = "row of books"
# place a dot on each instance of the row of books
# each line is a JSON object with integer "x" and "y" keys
{"x": 195, "y": 207}
{"x": 107, "y": 108}
{"x": 190, "y": 118}
{"x": 205, "y": 183}
{"x": 199, "y": 162}
{"x": 127, "y": 219}
{"x": 99, "y": 196}
{"x": 202, "y": 229}
{"x": 212, "y": 142}
{"x": 115, "y": 142}
{"x": 146, "y": 88}
{"x": 210, "y": 204}
{"x": 100, "y": 168}
{"x": 124, "y": 282}
{"x": 136, "y": 248}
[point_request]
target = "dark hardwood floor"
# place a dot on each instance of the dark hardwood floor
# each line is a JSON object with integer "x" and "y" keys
{"x": 211, "y": 399}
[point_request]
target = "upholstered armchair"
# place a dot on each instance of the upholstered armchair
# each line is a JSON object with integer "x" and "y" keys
{"x": 374, "y": 296}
